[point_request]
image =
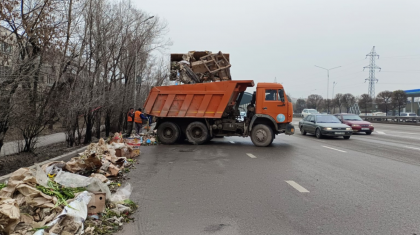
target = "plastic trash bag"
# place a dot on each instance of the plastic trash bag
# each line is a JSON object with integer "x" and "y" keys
{"x": 41, "y": 176}
{"x": 76, "y": 211}
{"x": 122, "y": 194}
{"x": 54, "y": 167}
{"x": 73, "y": 181}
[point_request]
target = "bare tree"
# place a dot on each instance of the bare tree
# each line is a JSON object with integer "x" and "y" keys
{"x": 300, "y": 105}
{"x": 365, "y": 102}
{"x": 384, "y": 101}
{"x": 37, "y": 27}
{"x": 91, "y": 50}
{"x": 338, "y": 101}
{"x": 399, "y": 98}
{"x": 314, "y": 101}
{"x": 348, "y": 100}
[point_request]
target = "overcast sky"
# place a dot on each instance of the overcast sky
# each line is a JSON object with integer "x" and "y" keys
{"x": 285, "y": 39}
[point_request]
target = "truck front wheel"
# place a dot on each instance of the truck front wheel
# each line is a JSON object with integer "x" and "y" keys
{"x": 197, "y": 133}
{"x": 168, "y": 133}
{"x": 261, "y": 135}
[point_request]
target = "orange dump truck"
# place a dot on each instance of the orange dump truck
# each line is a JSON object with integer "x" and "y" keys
{"x": 200, "y": 112}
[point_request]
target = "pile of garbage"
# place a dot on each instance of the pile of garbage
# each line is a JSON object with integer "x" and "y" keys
{"x": 81, "y": 196}
{"x": 199, "y": 67}
{"x": 143, "y": 139}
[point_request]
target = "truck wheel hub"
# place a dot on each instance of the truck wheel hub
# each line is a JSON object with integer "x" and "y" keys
{"x": 197, "y": 133}
{"x": 261, "y": 135}
{"x": 168, "y": 132}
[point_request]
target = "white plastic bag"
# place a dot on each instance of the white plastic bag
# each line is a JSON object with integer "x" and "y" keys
{"x": 74, "y": 181}
{"x": 77, "y": 210}
{"x": 122, "y": 194}
{"x": 41, "y": 177}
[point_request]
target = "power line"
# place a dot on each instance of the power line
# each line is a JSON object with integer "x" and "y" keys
{"x": 372, "y": 67}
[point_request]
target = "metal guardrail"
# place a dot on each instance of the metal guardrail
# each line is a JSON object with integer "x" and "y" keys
{"x": 383, "y": 119}
{"x": 391, "y": 119}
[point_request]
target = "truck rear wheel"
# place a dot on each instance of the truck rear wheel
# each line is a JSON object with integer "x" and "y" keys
{"x": 262, "y": 135}
{"x": 168, "y": 133}
{"x": 197, "y": 133}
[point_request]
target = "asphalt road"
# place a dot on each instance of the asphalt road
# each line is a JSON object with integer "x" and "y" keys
{"x": 300, "y": 185}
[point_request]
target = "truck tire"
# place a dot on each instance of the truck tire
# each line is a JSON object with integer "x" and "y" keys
{"x": 168, "y": 133}
{"x": 197, "y": 133}
{"x": 261, "y": 135}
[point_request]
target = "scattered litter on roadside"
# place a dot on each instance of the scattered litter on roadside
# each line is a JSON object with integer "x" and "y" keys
{"x": 57, "y": 198}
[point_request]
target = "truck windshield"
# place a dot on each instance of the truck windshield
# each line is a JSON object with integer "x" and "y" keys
{"x": 352, "y": 118}
{"x": 327, "y": 119}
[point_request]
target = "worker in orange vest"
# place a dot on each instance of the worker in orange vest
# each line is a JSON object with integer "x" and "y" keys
{"x": 138, "y": 119}
{"x": 130, "y": 120}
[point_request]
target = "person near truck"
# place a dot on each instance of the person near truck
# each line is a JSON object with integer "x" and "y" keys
{"x": 138, "y": 119}
{"x": 130, "y": 120}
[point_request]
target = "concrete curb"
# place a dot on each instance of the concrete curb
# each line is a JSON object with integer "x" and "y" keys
{"x": 61, "y": 157}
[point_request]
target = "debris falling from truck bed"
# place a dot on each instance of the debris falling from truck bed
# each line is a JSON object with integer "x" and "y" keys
{"x": 199, "y": 67}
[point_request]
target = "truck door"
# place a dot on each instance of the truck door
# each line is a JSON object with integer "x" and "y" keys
{"x": 274, "y": 104}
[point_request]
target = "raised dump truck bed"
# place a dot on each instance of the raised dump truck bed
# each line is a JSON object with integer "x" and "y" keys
{"x": 204, "y": 100}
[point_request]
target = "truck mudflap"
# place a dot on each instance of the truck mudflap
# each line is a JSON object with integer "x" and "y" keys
{"x": 290, "y": 129}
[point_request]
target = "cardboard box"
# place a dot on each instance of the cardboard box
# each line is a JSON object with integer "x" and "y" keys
{"x": 118, "y": 153}
{"x": 198, "y": 67}
{"x": 97, "y": 203}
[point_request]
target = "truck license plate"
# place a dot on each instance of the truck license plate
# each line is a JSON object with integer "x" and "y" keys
{"x": 339, "y": 133}
{"x": 365, "y": 129}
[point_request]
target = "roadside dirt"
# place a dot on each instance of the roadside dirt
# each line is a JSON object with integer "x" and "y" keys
{"x": 10, "y": 163}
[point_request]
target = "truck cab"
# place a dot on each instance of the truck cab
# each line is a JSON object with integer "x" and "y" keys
{"x": 272, "y": 101}
{"x": 269, "y": 108}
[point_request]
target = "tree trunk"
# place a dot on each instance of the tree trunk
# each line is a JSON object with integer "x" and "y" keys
{"x": 89, "y": 125}
{"x": 2, "y": 135}
{"x": 98, "y": 125}
{"x": 107, "y": 124}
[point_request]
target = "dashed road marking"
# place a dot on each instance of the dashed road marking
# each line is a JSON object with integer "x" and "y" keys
{"x": 231, "y": 142}
{"x": 380, "y": 132}
{"x": 334, "y": 149}
{"x": 251, "y": 155}
{"x": 297, "y": 186}
{"x": 400, "y": 132}
{"x": 411, "y": 147}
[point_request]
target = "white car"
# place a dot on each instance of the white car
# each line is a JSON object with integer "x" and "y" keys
{"x": 306, "y": 112}
{"x": 408, "y": 115}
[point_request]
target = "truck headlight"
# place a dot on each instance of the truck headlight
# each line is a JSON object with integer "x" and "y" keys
{"x": 348, "y": 129}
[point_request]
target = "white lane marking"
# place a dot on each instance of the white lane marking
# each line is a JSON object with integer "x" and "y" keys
{"x": 404, "y": 137}
{"x": 411, "y": 147}
{"x": 408, "y": 133}
{"x": 334, "y": 149}
{"x": 232, "y": 142}
{"x": 297, "y": 186}
{"x": 380, "y": 132}
{"x": 251, "y": 155}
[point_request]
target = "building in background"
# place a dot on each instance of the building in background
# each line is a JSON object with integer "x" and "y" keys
{"x": 413, "y": 104}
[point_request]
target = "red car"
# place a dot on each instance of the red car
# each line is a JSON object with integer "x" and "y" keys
{"x": 356, "y": 123}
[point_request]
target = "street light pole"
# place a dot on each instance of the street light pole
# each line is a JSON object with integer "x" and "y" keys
{"x": 328, "y": 84}
{"x": 334, "y": 83}
{"x": 135, "y": 67}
